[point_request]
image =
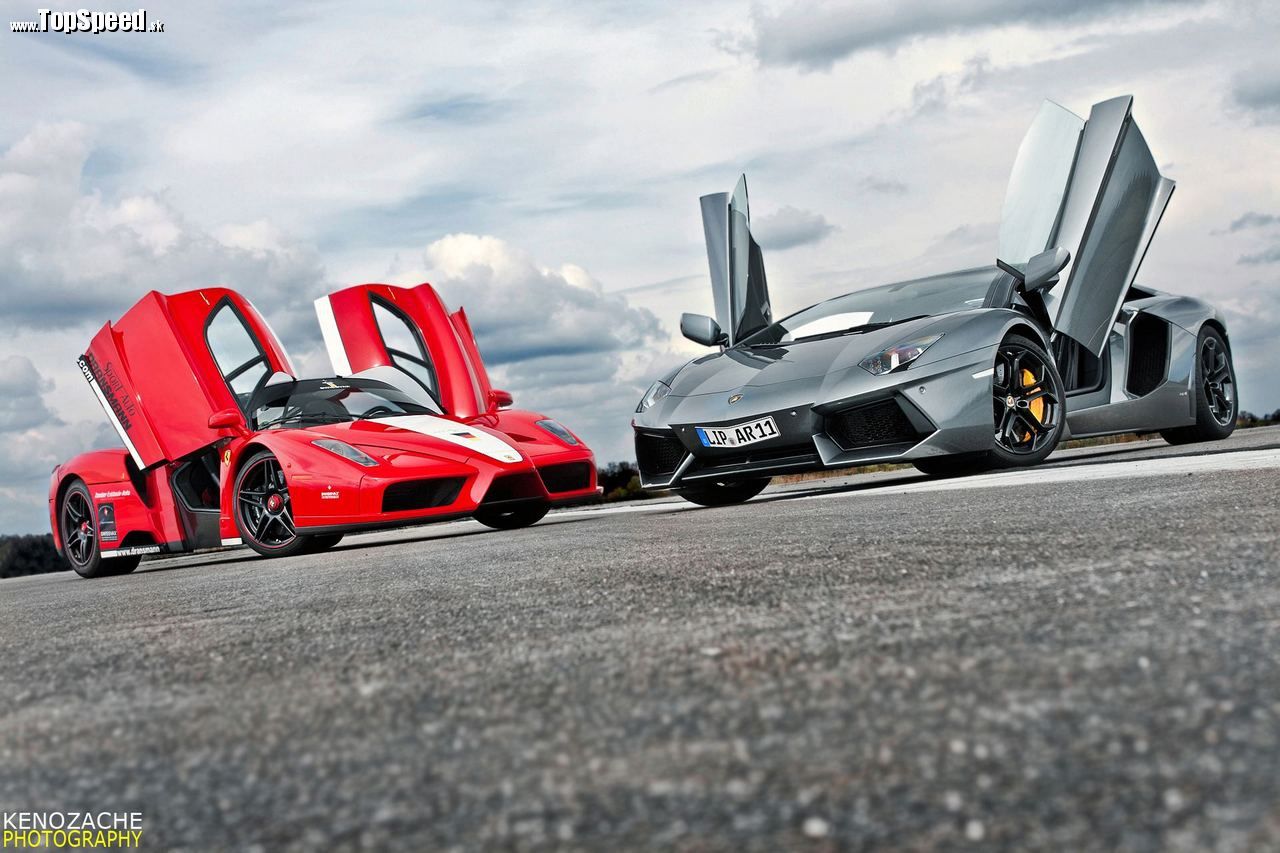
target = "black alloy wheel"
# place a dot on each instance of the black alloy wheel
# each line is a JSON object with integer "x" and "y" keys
{"x": 264, "y": 510}
{"x": 1026, "y": 400}
{"x": 1214, "y": 390}
{"x": 1217, "y": 380}
{"x": 77, "y": 526}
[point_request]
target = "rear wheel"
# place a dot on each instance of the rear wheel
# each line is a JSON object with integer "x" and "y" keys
{"x": 513, "y": 517}
{"x": 1216, "y": 405}
{"x": 77, "y": 527}
{"x": 723, "y": 494}
{"x": 264, "y": 511}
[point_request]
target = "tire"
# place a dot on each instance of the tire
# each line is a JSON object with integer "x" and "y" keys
{"x": 1029, "y": 413}
{"x": 77, "y": 528}
{"x": 724, "y": 494}
{"x": 264, "y": 510}
{"x": 1215, "y": 394}
{"x": 322, "y": 542}
{"x": 960, "y": 465}
{"x": 513, "y": 517}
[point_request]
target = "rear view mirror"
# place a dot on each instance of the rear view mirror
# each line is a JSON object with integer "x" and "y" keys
{"x": 500, "y": 399}
{"x": 1041, "y": 272}
{"x": 702, "y": 330}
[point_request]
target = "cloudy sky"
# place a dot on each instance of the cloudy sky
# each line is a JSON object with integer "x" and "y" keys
{"x": 541, "y": 162}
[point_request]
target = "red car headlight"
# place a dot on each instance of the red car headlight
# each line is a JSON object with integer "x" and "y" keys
{"x": 346, "y": 451}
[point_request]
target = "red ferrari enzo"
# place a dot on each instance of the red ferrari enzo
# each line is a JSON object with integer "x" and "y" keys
{"x": 224, "y": 445}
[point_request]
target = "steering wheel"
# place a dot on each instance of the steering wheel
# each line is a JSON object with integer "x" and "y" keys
{"x": 376, "y": 410}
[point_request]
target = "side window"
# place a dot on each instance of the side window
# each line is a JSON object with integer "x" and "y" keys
{"x": 236, "y": 351}
{"x": 404, "y": 345}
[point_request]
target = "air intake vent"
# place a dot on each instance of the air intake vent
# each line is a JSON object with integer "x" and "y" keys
{"x": 658, "y": 455}
{"x": 421, "y": 494}
{"x": 872, "y": 425}
{"x": 567, "y": 477}
{"x": 1148, "y": 354}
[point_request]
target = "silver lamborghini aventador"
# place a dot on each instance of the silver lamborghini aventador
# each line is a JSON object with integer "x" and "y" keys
{"x": 957, "y": 372}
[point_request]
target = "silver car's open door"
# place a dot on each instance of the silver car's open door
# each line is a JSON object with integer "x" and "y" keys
{"x": 738, "y": 281}
{"x": 1092, "y": 188}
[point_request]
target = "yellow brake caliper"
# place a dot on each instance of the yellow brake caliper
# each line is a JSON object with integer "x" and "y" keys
{"x": 1036, "y": 407}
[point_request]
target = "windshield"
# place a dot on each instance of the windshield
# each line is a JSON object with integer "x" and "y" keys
{"x": 330, "y": 401}
{"x": 882, "y": 306}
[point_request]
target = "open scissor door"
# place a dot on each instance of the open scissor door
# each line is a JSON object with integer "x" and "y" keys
{"x": 170, "y": 362}
{"x": 409, "y": 328}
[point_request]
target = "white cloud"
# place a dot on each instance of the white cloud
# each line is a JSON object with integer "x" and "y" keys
{"x": 788, "y": 227}
{"x": 553, "y": 337}
{"x": 21, "y": 386}
{"x": 33, "y": 439}
{"x": 812, "y": 35}
{"x": 70, "y": 257}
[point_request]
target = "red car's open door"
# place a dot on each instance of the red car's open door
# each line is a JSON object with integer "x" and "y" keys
{"x": 170, "y": 362}
{"x": 380, "y": 325}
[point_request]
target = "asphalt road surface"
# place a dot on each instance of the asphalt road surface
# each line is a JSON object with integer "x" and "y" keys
{"x": 1085, "y": 656}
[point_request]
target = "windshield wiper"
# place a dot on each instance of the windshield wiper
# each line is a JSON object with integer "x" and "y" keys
{"x": 313, "y": 418}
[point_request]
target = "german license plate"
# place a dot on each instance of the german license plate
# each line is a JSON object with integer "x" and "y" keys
{"x": 739, "y": 434}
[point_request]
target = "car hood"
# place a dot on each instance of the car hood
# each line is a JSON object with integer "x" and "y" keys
{"x": 742, "y": 367}
{"x": 430, "y": 434}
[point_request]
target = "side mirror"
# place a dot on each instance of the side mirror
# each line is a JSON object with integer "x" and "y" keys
{"x": 500, "y": 399}
{"x": 702, "y": 330}
{"x": 1041, "y": 272}
{"x": 1043, "y": 269}
{"x": 230, "y": 419}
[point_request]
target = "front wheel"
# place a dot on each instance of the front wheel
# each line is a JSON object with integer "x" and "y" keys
{"x": 723, "y": 494}
{"x": 264, "y": 511}
{"x": 513, "y": 517}
{"x": 1215, "y": 393}
{"x": 1027, "y": 402}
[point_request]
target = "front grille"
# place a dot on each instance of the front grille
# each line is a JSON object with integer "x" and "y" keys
{"x": 421, "y": 494}
{"x": 871, "y": 425}
{"x": 750, "y": 457}
{"x": 566, "y": 477}
{"x": 658, "y": 455}
{"x": 514, "y": 487}
{"x": 778, "y": 460}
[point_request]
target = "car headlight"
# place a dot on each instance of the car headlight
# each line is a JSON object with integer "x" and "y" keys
{"x": 897, "y": 356}
{"x": 346, "y": 451}
{"x": 656, "y": 392}
{"x": 558, "y": 430}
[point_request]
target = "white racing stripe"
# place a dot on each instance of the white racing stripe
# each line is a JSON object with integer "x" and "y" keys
{"x": 332, "y": 337}
{"x": 1240, "y": 460}
{"x": 456, "y": 433}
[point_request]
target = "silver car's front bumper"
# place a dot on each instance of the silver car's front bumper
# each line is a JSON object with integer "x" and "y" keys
{"x": 941, "y": 409}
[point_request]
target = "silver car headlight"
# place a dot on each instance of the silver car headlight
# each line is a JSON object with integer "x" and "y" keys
{"x": 558, "y": 430}
{"x": 656, "y": 392}
{"x": 346, "y": 451}
{"x": 897, "y": 356}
